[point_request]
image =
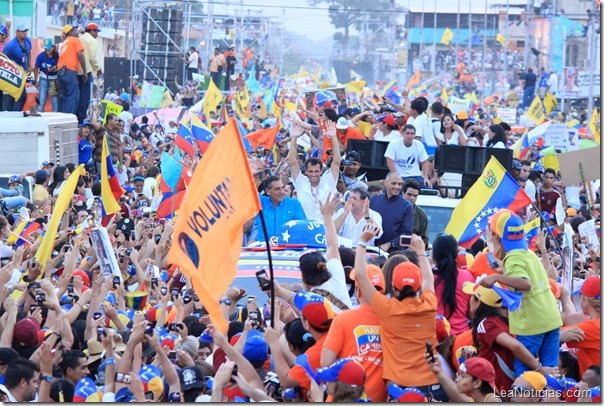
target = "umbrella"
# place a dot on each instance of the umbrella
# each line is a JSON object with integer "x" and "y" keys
{"x": 585, "y": 144}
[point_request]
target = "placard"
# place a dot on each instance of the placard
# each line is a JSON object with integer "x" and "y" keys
{"x": 590, "y": 161}
{"x": 507, "y": 114}
{"x": 104, "y": 252}
{"x": 557, "y": 135}
{"x": 107, "y": 107}
{"x": 588, "y": 229}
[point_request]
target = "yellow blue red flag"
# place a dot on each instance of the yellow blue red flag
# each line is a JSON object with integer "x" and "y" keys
{"x": 494, "y": 190}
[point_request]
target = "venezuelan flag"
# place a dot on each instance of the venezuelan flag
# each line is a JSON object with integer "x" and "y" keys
{"x": 203, "y": 135}
{"x": 23, "y": 230}
{"x": 531, "y": 229}
{"x": 164, "y": 210}
{"x": 111, "y": 190}
{"x": 496, "y": 189}
{"x": 184, "y": 139}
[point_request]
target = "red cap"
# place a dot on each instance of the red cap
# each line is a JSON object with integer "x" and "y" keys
{"x": 481, "y": 369}
{"x": 388, "y": 119}
{"x": 26, "y": 332}
{"x": 406, "y": 274}
{"x": 591, "y": 287}
{"x": 92, "y": 26}
{"x": 82, "y": 275}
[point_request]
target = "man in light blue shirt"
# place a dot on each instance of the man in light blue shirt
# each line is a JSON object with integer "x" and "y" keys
{"x": 277, "y": 208}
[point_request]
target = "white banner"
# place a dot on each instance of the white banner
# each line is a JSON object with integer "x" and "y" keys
{"x": 557, "y": 135}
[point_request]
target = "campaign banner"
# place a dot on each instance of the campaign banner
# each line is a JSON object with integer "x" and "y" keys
{"x": 507, "y": 114}
{"x": 12, "y": 77}
{"x": 557, "y": 136}
{"x": 107, "y": 107}
{"x": 576, "y": 83}
{"x": 104, "y": 252}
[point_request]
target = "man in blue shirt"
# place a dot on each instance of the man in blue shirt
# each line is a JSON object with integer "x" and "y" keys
{"x": 396, "y": 212}
{"x": 18, "y": 50}
{"x": 277, "y": 208}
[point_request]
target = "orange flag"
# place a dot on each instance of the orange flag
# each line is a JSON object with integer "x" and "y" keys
{"x": 209, "y": 228}
{"x": 263, "y": 138}
{"x": 414, "y": 80}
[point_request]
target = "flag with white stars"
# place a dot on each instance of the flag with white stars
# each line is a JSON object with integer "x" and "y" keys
{"x": 494, "y": 190}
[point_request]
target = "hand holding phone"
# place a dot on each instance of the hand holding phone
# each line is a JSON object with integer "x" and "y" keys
{"x": 492, "y": 262}
{"x": 430, "y": 351}
{"x": 405, "y": 241}
{"x": 263, "y": 280}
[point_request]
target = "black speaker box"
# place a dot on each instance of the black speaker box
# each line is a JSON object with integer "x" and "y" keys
{"x": 454, "y": 159}
{"x": 467, "y": 180}
{"x": 371, "y": 152}
{"x": 117, "y": 73}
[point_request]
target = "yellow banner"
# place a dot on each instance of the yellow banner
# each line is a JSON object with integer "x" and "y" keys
{"x": 594, "y": 124}
{"x": 12, "y": 77}
{"x": 447, "y": 36}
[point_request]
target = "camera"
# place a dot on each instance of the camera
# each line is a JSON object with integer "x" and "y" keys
{"x": 40, "y": 298}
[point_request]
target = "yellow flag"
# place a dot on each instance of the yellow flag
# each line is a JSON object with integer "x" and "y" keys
{"x": 356, "y": 87}
{"x": 212, "y": 99}
{"x": 594, "y": 125}
{"x": 501, "y": 39}
{"x": 244, "y": 96}
{"x": 447, "y": 36}
{"x": 444, "y": 97}
{"x": 263, "y": 113}
{"x": 239, "y": 107}
{"x": 291, "y": 107}
{"x": 62, "y": 203}
{"x": 535, "y": 112}
{"x": 549, "y": 102}
{"x": 472, "y": 97}
{"x": 166, "y": 100}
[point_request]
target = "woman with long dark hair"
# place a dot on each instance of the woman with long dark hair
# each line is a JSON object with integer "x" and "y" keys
{"x": 497, "y": 137}
{"x": 59, "y": 175}
{"x": 448, "y": 283}
{"x": 452, "y": 133}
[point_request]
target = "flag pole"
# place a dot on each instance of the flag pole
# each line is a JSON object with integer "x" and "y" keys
{"x": 270, "y": 267}
{"x": 549, "y": 231}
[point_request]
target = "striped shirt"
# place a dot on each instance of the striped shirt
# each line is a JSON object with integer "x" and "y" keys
{"x": 114, "y": 140}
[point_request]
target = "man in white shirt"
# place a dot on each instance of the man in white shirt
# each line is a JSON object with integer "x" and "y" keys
{"x": 314, "y": 187}
{"x": 422, "y": 123}
{"x": 22, "y": 380}
{"x": 552, "y": 83}
{"x": 192, "y": 63}
{"x": 405, "y": 156}
{"x": 351, "y": 219}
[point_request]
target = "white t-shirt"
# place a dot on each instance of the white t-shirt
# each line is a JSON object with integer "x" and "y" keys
{"x": 394, "y": 135}
{"x": 336, "y": 285}
{"x": 352, "y": 230}
{"x": 149, "y": 187}
{"x": 126, "y": 116}
{"x": 309, "y": 196}
{"x": 407, "y": 159}
{"x": 530, "y": 189}
{"x": 193, "y": 59}
{"x": 423, "y": 129}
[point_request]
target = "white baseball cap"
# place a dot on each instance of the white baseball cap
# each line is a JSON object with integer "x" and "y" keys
{"x": 342, "y": 123}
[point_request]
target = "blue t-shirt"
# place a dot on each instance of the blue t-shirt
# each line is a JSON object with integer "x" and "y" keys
{"x": 17, "y": 53}
{"x": 44, "y": 62}
{"x": 85, "y": 149}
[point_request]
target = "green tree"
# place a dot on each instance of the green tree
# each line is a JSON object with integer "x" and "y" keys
{"x": 346, "y": 14}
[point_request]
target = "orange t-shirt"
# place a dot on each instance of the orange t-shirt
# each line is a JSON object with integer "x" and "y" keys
{"x": 68, "y": 53}
{"x": 463, "y": 341}
{"x": 314, "y": 360}
{"x": 588, "y": 350}
{"x": 351, "y": 134}
{"x": 356, "y": 333}
{"x": 406, "y": 326}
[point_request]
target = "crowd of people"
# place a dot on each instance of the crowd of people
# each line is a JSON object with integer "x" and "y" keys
{"x": 81, "y": 12}
{"x": 398, "y": 317}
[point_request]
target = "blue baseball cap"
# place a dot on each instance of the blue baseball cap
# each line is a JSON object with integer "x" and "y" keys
{"x": 46, "y": 163}
{"x": 3, "y": 30}
{"x": 509, "y": 227}
{"x": 255, "y": 347}
{"x": 85, "y": 123}
{"x": 345, "y": 370}
{"x": 13, "y": 179}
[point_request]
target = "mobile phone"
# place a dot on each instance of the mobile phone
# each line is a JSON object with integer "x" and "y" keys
{"x": 405, "y": 241}
{"x": 97, "y": 315}
{"x": 263, "y": 280}
{"x": 32, "y": 308}
{"x": 174, "y": 326}
{"x": 129, "y": 250}
{"x": 172, "y": 355}
{"x": 154, "y": 282}
{"x": 491, "y": 259}
{"x": 149, "y": 330}
{"x": 157, "y": 238}
{"x": 122, "y": 378}
{"x": 40, "y": 298}
{"x": 251, "y": 299}
{"x": 116, "y": 282}
{"x": 163, "y": 290}
{"x": 100, "y": 332}
{"x": 234, "y": 373}
{"x": 149, "y": 395}
{"x": 70, "y": 289}
{"x": 253, "y": 316}
{"x": 429, "y": 350}
{"x": 174, "y": 292}
{"x": 187, "y": 299}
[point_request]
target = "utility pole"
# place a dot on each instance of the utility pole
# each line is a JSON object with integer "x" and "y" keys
{"x": 470, "y": 30}
{"x": 127, "y": 31}
{"x": 507, "y": 23}
{"x": 457, "y": 33}
{"x": 241, "y": 35}
{"x": 527, "y": 46}
{"x": 591, "y": 37}
{"x": 484, "y": 37}
{"x": 434, "y": 41}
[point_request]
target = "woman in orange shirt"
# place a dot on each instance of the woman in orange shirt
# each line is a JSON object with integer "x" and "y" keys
{"x": 408, "y": 318}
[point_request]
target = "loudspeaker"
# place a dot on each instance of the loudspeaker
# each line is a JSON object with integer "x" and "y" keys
{"x": 371, "y": 152}
{"x": 467, "y": 180}
{"x": 117, "y": 73}
{"x": 454, "y": 159}
{"x": 483, "y": 156}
